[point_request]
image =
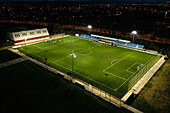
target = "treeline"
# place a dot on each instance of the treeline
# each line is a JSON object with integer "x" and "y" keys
{"x": 4, "y": 39}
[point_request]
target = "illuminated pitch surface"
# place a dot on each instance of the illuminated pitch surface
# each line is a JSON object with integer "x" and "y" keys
{"x": 92, "y": 63}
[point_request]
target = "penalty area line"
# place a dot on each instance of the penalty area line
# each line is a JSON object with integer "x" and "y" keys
{"x": 113, "y": 65}
{"x": 130, "y": 76}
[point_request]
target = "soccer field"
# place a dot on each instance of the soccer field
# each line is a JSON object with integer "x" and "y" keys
{"x": 92, "y": 63}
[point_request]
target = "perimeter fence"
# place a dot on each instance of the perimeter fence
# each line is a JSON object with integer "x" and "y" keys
{"x": 139, "y": 74}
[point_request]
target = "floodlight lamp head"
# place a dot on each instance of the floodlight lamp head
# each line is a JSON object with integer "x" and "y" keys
{"x": 134, "y": 32}
{"x": 89, "y": 26}
{"x": 73, "y": 55}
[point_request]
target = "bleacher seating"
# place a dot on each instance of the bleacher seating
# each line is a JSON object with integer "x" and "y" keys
{"x": 117, "y": 41}
{"x": 140, "y": 46}
{"x": 82, "y": 35}
{"x": 95, "y": 38}
{"x": 131, "y": 45}
{"x": 87, "y": 36}
{"x": 121, "y": 43}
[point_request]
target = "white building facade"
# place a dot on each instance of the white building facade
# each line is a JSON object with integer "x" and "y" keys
{"x": 27, "y": 36}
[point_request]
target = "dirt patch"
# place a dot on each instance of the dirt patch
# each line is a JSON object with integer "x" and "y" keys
{"x": 156, "y": 96}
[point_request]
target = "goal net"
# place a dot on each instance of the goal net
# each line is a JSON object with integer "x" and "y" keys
{"x": 140, "y": 67}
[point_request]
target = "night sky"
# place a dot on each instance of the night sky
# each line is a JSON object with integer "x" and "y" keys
{"x": 163, "y": 1}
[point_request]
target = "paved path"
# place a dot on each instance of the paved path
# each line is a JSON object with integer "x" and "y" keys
{"x": 12, "y": 62}
{"x": 6, "y": 47}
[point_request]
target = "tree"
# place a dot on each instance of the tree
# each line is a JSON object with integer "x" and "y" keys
{"x": 4, "y": 39}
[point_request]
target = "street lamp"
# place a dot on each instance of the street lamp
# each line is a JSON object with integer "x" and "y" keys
{"x": 133, "y": 34}
{"x": 73, "y": 56}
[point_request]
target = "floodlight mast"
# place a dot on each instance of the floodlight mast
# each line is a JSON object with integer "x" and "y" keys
{"x": 133, "y": 34}
{"x": 73, "y": 56}
{"x": 106, "y": 83}
{"x": 25, "y": 45}
{"x": 89, "y": 28}
{"x": 46, "y": 57}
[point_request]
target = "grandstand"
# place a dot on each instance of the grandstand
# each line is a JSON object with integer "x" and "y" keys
{"x": 131, "y": 45}
{"x": 113, "y": 40}
{"x": 121, "y": 43}
{"x": 26, "y": 36}
{"x": 140, "y": 46}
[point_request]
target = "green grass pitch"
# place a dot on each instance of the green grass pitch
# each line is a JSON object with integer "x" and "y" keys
{"x": 93, "y": 61}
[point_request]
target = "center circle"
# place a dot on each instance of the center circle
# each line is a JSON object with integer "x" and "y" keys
{"x": 82, "y": 51}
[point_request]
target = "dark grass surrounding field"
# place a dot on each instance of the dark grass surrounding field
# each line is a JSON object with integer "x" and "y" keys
{"x": 155, "y": 96}
{"x": 93, "y": 61}
{"x": 28, "y": 88}
{"x": 6, "y": 55}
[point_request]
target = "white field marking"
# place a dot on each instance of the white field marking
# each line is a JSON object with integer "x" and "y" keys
{"x": 115, "y": 75}
{"x": 82, "y": 51}
{"x": 130, "y": 77}
{"x": 113, "y": 65}
{"x": 149, "y": 60}
{"x": 54, "y": 44}
{"x": 42, "y": 47}
{"x": 76, "y": 72}
{"x": 130, "y": 72}
{"x": 139, "y": 57}
{"x": 37, "y": 47}
{"x": 77, "y": 52}
{"x": 113, "y": 61}
{"x": 131, "y": 67}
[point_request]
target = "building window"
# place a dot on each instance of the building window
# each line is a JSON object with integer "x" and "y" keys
{"x": 44, "y": 31}
{"x": 31, "y": 33}
{"x": 38, "y": 32}
{"x": 17, "y": 35}
{"x": 24, "y": 34}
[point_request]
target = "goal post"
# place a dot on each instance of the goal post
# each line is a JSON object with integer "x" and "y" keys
{"x": 141, "y": 70}
{"x": 140, "y": 67}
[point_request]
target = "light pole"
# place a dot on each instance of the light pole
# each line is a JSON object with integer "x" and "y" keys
{"x": 73, "y": 56}
{"x": 25, "y": 45}
{"x": 89, "y": 28}
{"x": 46, "y": 57}
{"x": 133, "y": 34}
{"x": 106, "y": 83}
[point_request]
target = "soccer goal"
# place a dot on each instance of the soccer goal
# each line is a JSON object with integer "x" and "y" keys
{"x": 140, "y": 67}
